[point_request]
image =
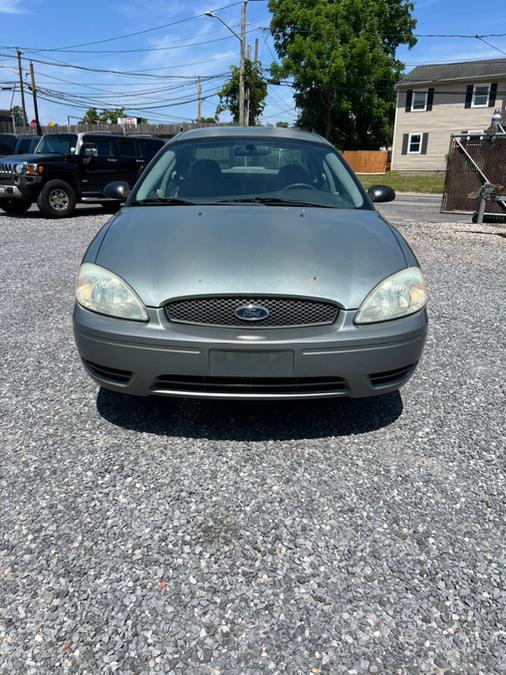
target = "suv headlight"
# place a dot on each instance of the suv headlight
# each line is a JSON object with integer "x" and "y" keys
{"x": 399, "y": 295}
{"x": 29, "y": 168}
{"x": 102, "y": 291}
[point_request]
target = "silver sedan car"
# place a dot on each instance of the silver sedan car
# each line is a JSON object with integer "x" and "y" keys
{"x": 249, "y": 264}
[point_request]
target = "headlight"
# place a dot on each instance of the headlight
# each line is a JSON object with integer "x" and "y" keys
{"x": 34, "y": 169}
{"x": 29, "y": 168}
{"x": 102, "y": 291}
{"x": 401, "y": 294}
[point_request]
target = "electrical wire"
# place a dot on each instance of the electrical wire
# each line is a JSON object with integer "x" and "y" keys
{"x": 140, "y": 32}
{"x": 139, "y": 50}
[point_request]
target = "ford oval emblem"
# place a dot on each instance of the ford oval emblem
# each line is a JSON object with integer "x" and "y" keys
{"x": 252, "y": 312}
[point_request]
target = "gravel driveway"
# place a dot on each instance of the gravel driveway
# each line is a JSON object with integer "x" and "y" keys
{"x": 210, "y": 537}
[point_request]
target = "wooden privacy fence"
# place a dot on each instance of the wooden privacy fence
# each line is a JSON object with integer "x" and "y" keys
{"x": 155, "y": 130}
{"x": 368, "y": 161}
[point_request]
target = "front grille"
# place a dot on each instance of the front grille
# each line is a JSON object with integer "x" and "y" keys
{"x": 5, "y": 168}
{"x": 248, "y": 385}
{"x": 283, "y": 312}
{"x": 391, "y": 376}
{"x": 106, "y": 373}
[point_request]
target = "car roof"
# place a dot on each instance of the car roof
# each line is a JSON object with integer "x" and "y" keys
{"x": 251, "y": 132}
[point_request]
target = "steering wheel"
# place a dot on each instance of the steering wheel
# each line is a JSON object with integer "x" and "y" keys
{"x": 295, "y": 186}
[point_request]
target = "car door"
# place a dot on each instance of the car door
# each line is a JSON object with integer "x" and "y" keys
{"x": 130, "y": 160}
{"x": 99, "y": 164}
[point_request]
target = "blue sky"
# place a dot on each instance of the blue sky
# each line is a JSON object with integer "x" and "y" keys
{"x": 48, "y": 24}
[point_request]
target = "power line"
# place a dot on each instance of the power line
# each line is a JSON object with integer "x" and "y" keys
{"x": 62, "y": 64}
{"x": 137, "y": 50}
{"x": 493, "y": 46}
{"x": 140, "y": 32}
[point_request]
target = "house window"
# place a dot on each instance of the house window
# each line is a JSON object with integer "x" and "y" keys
{"x": 414, "y": 144}
{"x": 419, "y": 101}
{"x": 481, "y": 95}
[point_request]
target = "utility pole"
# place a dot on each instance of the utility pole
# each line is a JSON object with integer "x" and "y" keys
{"x": 22, "y": 89}
{"x": 247, "y": 93}
{"x": 242, "y": 108}
{"x": 199, "y": 94}
{"x": 34, "y": 94}
{"x": 256, "y": 50}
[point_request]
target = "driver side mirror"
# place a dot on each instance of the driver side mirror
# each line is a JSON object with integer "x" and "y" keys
{"x": 117, "y": 190}
{"x": 381, "y": 193}
{"x": 90, "y": 152}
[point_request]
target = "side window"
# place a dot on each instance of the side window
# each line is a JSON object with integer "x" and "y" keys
{"x": 128, "y": 149}
{"x": 150, "y": 148}
{"x": 104, "y": 147}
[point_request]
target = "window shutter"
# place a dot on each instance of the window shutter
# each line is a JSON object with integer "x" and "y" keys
{"x": 425, "y": 140}
{"x": 493, "y": 94}
{"x": 409, "y": 98}
{"x": 469, "y": 96}
{"x": 405, "y": 138}
{"x": 430, "y": 99}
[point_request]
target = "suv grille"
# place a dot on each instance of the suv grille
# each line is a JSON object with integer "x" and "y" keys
{"x": 283, "y": 312}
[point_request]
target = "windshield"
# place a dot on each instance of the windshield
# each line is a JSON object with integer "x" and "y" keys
{"x": 25, "y": 145}
{"x": 57, "y": 144}
{"x": 265, "y": 171}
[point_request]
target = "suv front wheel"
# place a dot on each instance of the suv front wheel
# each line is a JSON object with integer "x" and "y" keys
{"x": 15, "y": 207}
{"x": 57, "y": 199}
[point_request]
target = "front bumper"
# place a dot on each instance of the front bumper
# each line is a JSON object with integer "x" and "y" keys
{"x": 20, "y": 187}
{"x": 169, "y": 359}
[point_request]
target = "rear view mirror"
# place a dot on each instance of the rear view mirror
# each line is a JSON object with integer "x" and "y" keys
{"x": 252, "y": 150}
{"x": 381, "y": 193}
{"x": 117, "y": 190}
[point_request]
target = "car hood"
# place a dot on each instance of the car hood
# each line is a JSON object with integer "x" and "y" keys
{"x": 17, "y": 159}
{"x": 167, "y": 252}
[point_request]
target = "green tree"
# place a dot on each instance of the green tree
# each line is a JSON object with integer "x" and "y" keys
{"x": 112, "y": 116}
{"x": 341, "y": 57}
{"x": 91, "y": 116}
{"x": 282, "y": 125}
{"x": 17, "y": 113}
{"x": 254, "y": 83}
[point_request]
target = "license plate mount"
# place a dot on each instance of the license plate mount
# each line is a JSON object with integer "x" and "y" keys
{"x": 239, "y": 363}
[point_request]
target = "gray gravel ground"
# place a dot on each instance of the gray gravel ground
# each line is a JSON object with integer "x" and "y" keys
{"x": 168, "y": 535}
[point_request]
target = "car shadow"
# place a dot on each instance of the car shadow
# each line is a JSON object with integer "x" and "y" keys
{"x": 249, "y": 420}
{"x": 81, "y": 210}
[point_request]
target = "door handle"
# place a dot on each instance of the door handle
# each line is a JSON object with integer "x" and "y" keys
{"x": 111, "y": 159}
{"x": 139, "y": 161}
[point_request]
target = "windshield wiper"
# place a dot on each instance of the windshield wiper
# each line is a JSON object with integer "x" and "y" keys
{"x": 173, "y": 201}
{"x": 271, "y": 201}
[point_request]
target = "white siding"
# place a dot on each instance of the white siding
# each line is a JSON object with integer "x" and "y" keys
{"x": 448, "y": 116}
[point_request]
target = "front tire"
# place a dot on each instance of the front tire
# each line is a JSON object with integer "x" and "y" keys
{"x": 16, "y": 207}
{"x": 57, "y": 199}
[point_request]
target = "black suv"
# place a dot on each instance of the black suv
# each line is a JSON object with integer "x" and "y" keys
{"x": 70, "y": 168}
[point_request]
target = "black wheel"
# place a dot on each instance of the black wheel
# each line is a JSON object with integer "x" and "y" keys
{"x": 16, "y": 207}
{"x": 475, "y": 218}
{"x": 57, "y": 199}
{"x": 111, "y": 207}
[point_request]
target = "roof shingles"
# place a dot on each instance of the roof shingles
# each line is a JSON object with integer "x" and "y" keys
{"x": 455, "y": 71}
